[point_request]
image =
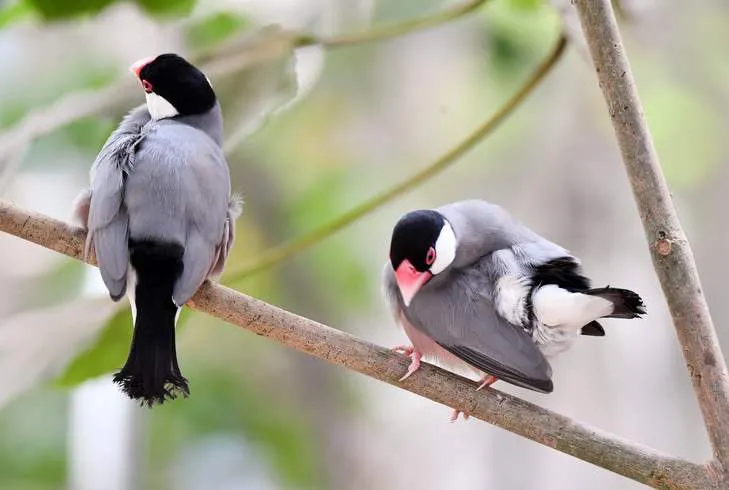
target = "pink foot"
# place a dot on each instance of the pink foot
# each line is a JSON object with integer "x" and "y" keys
{"x": 487, "y": 380}
{"x": 404, "y": 349}
{"x": 414, "y": 363}
{"x": 456, "y": 413}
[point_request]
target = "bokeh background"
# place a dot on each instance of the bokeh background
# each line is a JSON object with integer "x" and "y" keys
{"x": 349, "y": 123}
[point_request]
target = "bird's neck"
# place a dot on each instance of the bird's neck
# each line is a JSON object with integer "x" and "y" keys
{"x": 210, "y": 122}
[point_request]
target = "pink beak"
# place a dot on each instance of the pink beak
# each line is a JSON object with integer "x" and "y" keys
{"x": 409, "y": 280}
{"x": 138, "y": 65}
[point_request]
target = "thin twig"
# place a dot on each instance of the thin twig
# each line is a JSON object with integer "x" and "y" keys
{"x": 590, "y": 444}
{"x": 284, "y": 251}
{"x": 389, "y": 31}
{"x": 672, "y": 256}
{"x": 86, "y": 103}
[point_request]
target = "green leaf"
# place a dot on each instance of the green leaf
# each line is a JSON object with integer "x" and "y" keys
{"x": 39, "y": 343}
{"x": 106, "y": 355}
{"x": 62, "y": 283}
{"x": 525, "y": 4}
{"x": 14, "y": 12}
{"x": 55, "y": 9}
{"x": 89, "y": 133}
{"x": 167, "y": 7}
{"x": 213, "y": 29}
{"x": 109, "y": 352}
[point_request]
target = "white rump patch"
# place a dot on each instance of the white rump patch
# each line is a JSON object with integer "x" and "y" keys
{"x": 159, "y": 107}
{"x": 510, "y": 298}
{"x": 131, "y": 290}
{"x": 554, "y": 306}
{"x": 445, "y": 249}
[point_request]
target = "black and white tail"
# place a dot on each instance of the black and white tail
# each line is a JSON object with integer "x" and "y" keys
{"x": 626, "y": 304}
{"x": 562, "y": 296}
{"x": 151, "y": 373}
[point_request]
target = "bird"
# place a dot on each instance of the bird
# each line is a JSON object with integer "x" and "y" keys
{"x": 477, "y": 291}
{"x": 160, "y": 215}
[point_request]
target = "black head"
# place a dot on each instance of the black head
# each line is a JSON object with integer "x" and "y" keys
{"x": 178, "y": 82}
{"x": 414, "y": 238}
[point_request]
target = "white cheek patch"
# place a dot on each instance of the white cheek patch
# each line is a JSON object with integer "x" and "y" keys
{"x": 445, "y": 249}
{"x": 159, "y": 107}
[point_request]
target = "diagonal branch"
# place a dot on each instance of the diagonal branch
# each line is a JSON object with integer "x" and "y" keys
{"x": 393, "y": 30}
{"x": 669, "y": 247}
{"x": 613, "y": 453}
{"x": 286, "y": 250}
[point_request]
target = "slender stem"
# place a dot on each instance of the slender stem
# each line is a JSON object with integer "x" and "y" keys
{"x": 393, "y": 30}
{"x": 672, "y": 256}
{"x": 284, "y": 251}
{"x": 590, "y": 444}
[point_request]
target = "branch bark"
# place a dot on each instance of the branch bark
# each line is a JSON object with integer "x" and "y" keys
{"x": 670, "y": 250}
{"x": 590, "y": 444}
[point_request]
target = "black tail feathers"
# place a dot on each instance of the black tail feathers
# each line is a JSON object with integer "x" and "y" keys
{"x": 151, "y": 373}
{"x": 627, "y": 303}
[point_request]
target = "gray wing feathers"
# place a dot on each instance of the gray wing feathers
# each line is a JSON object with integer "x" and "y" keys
{"x": 198, "y": 256}
{"x": 175, "y": 187}
{"x": 195, "y": 191}
{"x": 459, "y": 315}
{"x": 110, "y": 243}
{"x": 235, "y": 206}
{"x": 391, "y": 292}
{"x": 107, "y": 220}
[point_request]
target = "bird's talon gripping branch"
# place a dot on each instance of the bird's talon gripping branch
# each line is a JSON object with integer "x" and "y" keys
{"x": 486, "y": 381}
{"x": 404, "y": 349}
{"x": 414, "y": 364}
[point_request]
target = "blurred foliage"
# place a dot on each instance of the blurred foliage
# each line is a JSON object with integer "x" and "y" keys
{"x": 215, "y": 28}
{"x": 228, "y": 401}
{"x": 62, "y": 283}
{"x": 689, "y": 146}
{"x": 55, "y": 9}
{"x": 33, "y": 442}
{"x": 107, "y": 354}
{"x": 316, "y": 175}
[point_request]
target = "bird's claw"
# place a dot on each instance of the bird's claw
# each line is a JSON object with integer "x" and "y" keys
{"x": 414, "y": 364}
{"x": 456, "y": 413}
{"x": 487, "y": 380}
{"x": 404, "y": 349}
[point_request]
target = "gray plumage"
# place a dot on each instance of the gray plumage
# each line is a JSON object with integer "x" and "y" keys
{"x": 493, "y": 306}
{"x": 164, "y": 180}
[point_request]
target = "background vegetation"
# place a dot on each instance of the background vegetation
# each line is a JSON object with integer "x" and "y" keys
{"x": 351, "y": 122}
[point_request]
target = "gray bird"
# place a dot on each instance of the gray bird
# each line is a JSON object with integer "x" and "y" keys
{"x": 477, "y": 291}
{"x": 160, "y": 215}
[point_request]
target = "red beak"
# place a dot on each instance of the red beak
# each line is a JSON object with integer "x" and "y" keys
{"x": 409, "y": 280}
{"x": 138, "y": 65}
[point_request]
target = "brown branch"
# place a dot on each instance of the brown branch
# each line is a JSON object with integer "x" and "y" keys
{"x": 613, "y": 453}
{"x": 669, "y": 247}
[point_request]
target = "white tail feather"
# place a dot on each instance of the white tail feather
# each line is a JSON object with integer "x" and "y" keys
{"x": 557, "y": 307}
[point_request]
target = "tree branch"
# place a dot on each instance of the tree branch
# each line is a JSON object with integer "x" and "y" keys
{"x": 613, "y": 453}
{"x": 672, "y": 256}
{"x": 286, "y": 250}
{"x": 392, "y": 30}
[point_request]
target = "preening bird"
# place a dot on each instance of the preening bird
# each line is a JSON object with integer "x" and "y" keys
{"x": 478, "y": 291}
{"x": 160, "y": 215}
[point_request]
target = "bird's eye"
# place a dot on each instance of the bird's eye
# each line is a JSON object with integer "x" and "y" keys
{"x": 146, "y": 86}
{"x": 430, "y": 257}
